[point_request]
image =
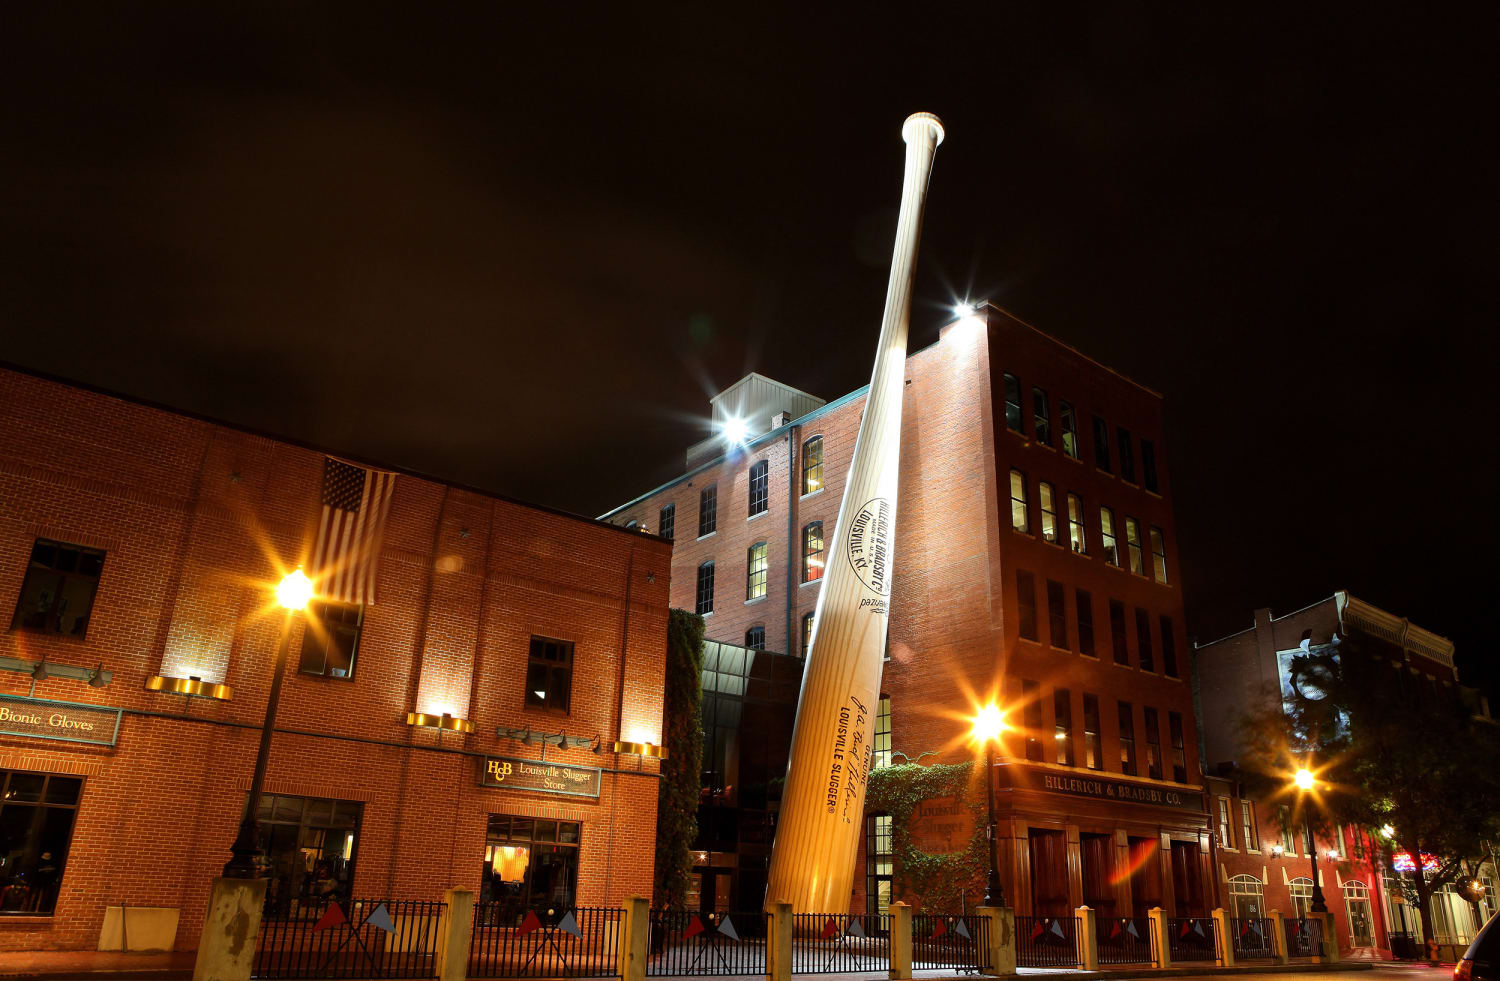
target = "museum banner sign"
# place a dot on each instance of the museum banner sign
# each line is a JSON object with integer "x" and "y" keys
{"x": 539, "y": 775}
{"x": 1104, "y": 788}
{"x": 69, "y": 722}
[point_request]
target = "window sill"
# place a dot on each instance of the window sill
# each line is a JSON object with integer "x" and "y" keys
{"x": 1117, "y": 664}
{"x": 812, "y": 493}
{"x": 1130, "y": 483}
{"x": 1023, "y": 534}
{"x": 757, "y": 600}
{"x": 1091, "y": 657}
{"x": 28, "y": 918}
{"x": 1069, "y": 456}
{"x": 709, "y": 535}
{"x": 1057, "y": 545}
{"x": 1046, "y": 446}
{"x": 810, "y": 582}
{"x": 1060, "y": 650}
{"x": 1100, "y": 470}
{"x": 708, "y": 614}
{"x": 758, "y": 514}
{"x": 1155, "y": 494}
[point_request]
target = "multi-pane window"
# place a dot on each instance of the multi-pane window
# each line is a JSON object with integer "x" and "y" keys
{"x": 1158, "y": 555}
{"x": 1062, "y": 713}
{"x": 1133, "y": 544}
{"x": 330, "y": 639}
{"x": 812, "y": 465}
{"x": 1107, "y": 533}
{"x": 57, "y": 593}
{"x": 880, "y": 749}
{"x": 1143, "y": 640}
{"x": 549, "y": 674}
{"x": 807, "y": 631}
{"x": 1101, "y": 444}
{"x": 1288, "y": 833}
{"x": 757, "y": 565}
{"x": 1247, "y": 826}
{"x": 36, "y": 830}
{"x": 1068, "y": 422}
{"x": 1057, "y": 615}
{"x": 1153, "y": 745}
{"x": 1117, "y": 632}
{"x": 1048, "y": 499}
{"x": 760, "y": 487}
{"x": 705, "y": 588}
{"x": 1020, "y": 514}
{"x": 1031, "y": 714}
{"x": 879, "y": 864}
{"x": 1026, "y": 604}
{"x": 666, "y": 522}
{"x": 308, "y": 846}
{"x": 1179, "y": 748}
{"x": 1085, "y": 604}
{"x": 812, "y": 551}
{"x": 1127, "y": 739}
{"x": 1168, "y": 648}
{"x": 1148, "y": 466}
{"x": 1041, "y": 421}
{"x": 1127, "y": 454}
{"x": 1093, "y": 746}
{"x": 530, "y": 864}
{"x": 755, "y": 638}
{"x": 1226, "y": 835}
{"x": 708, "y": 510}
{"x": 1077, "y": 533}
{"x": 1012, "y": 403}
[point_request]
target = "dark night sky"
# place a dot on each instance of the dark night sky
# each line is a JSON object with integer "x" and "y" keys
{"x": 520, "y": 253}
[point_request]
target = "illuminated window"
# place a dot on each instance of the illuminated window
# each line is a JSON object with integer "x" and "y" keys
{"x": 1179, "y": 748}
{"x": 755, "y": 638}
{"x": 330, "y": 639}
{"x": 1085, "y": 604}
{"x": 1093, "y": 748}
{"x": 812, "y": 552}
{"x": 1133, "y": 543}
{"x": 666, "y": 522}
{"x": 1127, "y": 739}
{"x": 1302, "y": 893}
{"x": 705, "y": 588}
{"x": 812, "y": 465}
{"x": 1026, "y": 604}
{"x": 301, "y": 835}
{"x": 880, "y": 755}
{"x": 1062, "y": 711}
{"x": 1168, "y": 648}
{"x": 1068, "y": 422}
{"x": 1012, "y": 403}
{"x": 879, "y": 864}
{"x": 1117, "y": 632}
{"x": 549, "y": 674}
{"x": 1246, "y": 899}
{"x": 1107, "y": 533}
{"x": 36, "y": 830}
{"x": 1148, "y": 465}
{"x": 1057, "y": 615}
{"x": 1078, "y": 536}
{"x": 1153, "y": 745}
{"x": 1020, "y": 514}
{"x": 1288, "y": 835}
{"x": 1127, "y": 454}
{"x": 1143, "y": 640}
{"x": 1158, "y": 555}
{"x": 807, "y": 632}
{"x": 1031, "y": 694}
{"x": 530, "y": 864}
{"x": 760, "y": 487}
{"x": 1041, "y": 417}
{"x": 756, "y": 567}
{"x": 1226, "y": 834}
{"x": 1047, "y": 496}
{"x": 1247, "y": 826}
{"x": 1101, "y": 444}
{"x": 57, "y": 593}
{"x": 708, "y": 510}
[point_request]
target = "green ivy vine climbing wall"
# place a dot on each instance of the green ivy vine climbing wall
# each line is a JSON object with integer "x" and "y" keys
{"x": 936, "y": 883}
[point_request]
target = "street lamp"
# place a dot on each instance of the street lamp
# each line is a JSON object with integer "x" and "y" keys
{"x": 1306, "y": 782}
{"x": 292, "y": 594}
{"x": 988, "y": 725}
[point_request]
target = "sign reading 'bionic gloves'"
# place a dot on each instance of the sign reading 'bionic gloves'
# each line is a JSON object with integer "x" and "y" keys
{"x": 43, "y": 718}
{"x": 548, "y": 778}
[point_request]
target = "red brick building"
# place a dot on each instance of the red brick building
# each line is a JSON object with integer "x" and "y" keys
{"x": 143, "y": 543}
{"x": 1035, "y": 563}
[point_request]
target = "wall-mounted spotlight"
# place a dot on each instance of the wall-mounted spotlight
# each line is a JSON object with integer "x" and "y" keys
{"x": 641, "y": 749}
{"x": 39, "y": 673}
{"x": 192, "y": 687}
{"x": 97, "y": 677}
{"x": 44, "y": 669}
{"x": 530, "y": 737}
{"x": 443, "y": 723}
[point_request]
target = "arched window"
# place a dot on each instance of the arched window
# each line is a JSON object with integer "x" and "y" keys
{"x": 756, "y": 567}
{"x": 812, "y": 551}
{"x": 755, "y": 638}
{"x": 1357, "y": 903}
{"x": 705, "y": 588}
{"x": 1301, "y": 896}
{"x": 807, "y": 632}
{"x": 1247, "y": 898}
{"x": 812, "y": 465}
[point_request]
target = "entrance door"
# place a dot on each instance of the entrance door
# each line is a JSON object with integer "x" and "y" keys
{"x": 1187, "y": 881}
{"x": 1145, "y": 875}
{"x": 1049, "y": 873}
{"x": 1098, "y": 873}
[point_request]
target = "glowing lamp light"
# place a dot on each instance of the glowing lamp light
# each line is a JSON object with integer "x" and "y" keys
{"x": 989, "y": 723}
{"x": 967, "y": 314}
{"x": 1305, "y": 780}
{"x": 1387, "y": 831}
{"x": 1333, "y": 856}
{"x": 735, "y": 430}
{"x": 295, "y": 590}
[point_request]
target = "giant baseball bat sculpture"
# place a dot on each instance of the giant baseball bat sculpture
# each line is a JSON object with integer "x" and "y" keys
{"x": 822, "y": 804}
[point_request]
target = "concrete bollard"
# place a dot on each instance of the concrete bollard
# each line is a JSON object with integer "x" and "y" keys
{"x": 635, "y": 939}
{"x": 1329, "y": 951}
{"x": 455, "y": 929}
{"x": 1223, "y": 939}
{"x": 779, "y": 942}
{"x": 1278, "y": 937}
{"x": 1088, "y": 939}
{"x": 1002, "y": 923}
{"x": 226, "y": 951}
{"x": 1161, "y": 950}
{"x": 900, "y": 941}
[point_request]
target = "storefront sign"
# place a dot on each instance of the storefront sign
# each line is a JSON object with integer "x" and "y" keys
{"x": 43, "y": 718}
{"x": 547, "y": 778}
{"x": 1105, "y": 789}
{"x": 941, "y": 826}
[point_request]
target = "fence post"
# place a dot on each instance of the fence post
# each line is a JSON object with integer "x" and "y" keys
{"x": 455, "y": 927}
{"x": 635, "y": 939}
{"x": 1328, "y": 952}
{"x": 900, "y": 941}
{"x": 779, "y": 942}
{"x": 226, "y": 950}
{"x": 1002, "y": 940}
{"x": 1088, "y": 939}
{"x": 1161, "y": 938}
{"x": 1278, "y": 937}
{"x": 1224, "y": 939}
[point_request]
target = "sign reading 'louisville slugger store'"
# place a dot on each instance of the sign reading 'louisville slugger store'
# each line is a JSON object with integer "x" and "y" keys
{"x": 1103, "y": 788}
{"x": 547, "y": 778}
{"x": 43, "y": 718}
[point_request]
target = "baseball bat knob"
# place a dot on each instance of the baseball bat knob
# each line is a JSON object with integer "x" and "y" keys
{"x": 919, "y": 124}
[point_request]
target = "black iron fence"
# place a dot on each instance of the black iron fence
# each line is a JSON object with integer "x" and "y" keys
{"x": 1125, "y": 940}
{"x": 960, "y": 943}
{"x": 1304, "y": 936}
{"x": 684, "y": 943}
{"x": 371, "y": 938}
{"x": 1405, "y": 946}
{"x": 826, "y": 943}
{"x": 1192, "y": 938}
{"x": 1047, "y": 941}
{"x": 1252, "y": 937}
{"x": 513, "y": 942}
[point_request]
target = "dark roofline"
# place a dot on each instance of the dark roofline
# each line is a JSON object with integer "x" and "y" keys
{"x": 289, "y": 441}
{"x": 1062, "y": 343}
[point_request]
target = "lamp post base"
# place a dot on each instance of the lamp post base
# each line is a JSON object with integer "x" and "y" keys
{"x": 246, "y": 847}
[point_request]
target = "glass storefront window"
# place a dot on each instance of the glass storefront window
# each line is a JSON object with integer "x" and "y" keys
{"x": 308, "y": 848}
{"x": 530, "y": 863}
{"x": 36, "y": 829}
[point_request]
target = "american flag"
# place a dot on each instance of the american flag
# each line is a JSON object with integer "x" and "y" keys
{"x": 355, "y": 504}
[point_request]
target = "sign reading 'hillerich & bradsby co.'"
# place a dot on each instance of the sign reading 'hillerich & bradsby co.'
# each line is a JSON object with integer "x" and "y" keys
{"x": 547, "y": 778}
{"x": 43, "y": 718}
